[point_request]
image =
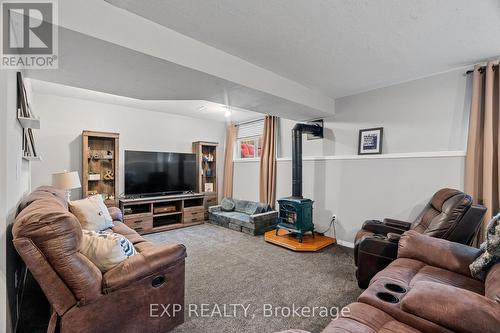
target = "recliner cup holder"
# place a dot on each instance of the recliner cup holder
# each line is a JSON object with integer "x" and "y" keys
{"x": 395, "y": 288}
{"x": 386, "y": 297}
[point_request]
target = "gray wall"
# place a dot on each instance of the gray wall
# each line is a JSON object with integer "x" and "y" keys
{"x": 425, "y": 131}
{"x": 63, "y": 120}
{"x": 425, "y": 115}
{"x": 14, "y": 183}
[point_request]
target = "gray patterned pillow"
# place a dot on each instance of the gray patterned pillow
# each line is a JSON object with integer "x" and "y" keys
{"x": 490, "y": 250}
{"x": 227, "y": 205}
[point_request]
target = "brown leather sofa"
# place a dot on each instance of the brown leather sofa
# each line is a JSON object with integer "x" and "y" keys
{"x": 449, "y": 215}
{"x": 428, "y": 288}
{"x": 47, "y": 237}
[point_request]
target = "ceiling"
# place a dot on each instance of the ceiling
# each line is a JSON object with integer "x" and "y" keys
{"x": 338, "y": 47}
{"x": 190, "y": 108}
{"x": 94, "y": 64}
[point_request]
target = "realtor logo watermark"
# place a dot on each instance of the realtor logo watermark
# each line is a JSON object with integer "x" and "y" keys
{"x": 29, "y": 34}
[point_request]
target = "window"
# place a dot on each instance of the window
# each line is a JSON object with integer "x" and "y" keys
{"x": 249, "y": 140}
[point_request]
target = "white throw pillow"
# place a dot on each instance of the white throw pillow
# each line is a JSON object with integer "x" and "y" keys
{"x": 106, "y": 249}
{"x": 92, "y": 213}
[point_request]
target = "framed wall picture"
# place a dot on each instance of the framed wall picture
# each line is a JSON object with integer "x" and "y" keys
{"x": 209, "y": 187}
{"x": 370, "y": 141}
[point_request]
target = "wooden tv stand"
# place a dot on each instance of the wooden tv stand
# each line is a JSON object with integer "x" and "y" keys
{"x": 154, "y": 214}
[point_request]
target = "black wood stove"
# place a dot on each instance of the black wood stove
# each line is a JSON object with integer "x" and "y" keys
{"x": 296, "y": 212}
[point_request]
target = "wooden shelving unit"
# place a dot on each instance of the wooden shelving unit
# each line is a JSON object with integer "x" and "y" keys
{"x": 148, "y": 215}
{"x": 206, "y": 154}
{"x": 100, "y": 165}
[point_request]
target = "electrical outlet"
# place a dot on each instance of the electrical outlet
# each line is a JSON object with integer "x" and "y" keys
{"x": 334, "y": 217}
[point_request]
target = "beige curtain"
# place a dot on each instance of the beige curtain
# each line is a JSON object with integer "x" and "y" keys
{"x": 268, "y": 162}
{"x": 231, "y": 132}
{"x": 482, "y": 161}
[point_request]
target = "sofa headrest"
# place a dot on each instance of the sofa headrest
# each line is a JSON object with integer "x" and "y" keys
{"x": 44, "y": 192}
{"x": 440, "y": 197}
{"x": 44, "y": 217}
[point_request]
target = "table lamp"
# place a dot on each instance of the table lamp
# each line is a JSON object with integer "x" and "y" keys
{"x": 66, "y": 181}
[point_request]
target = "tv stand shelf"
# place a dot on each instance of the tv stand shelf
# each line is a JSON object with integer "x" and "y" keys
{"x": 161, "y": 213}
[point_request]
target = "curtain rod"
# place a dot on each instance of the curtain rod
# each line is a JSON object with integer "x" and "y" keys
{"x": 482, "y": 68}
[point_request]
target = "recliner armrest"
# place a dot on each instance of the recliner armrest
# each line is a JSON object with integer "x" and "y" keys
{"x": 379, "y": 246}
{"x": 269, "y": 214}
{"x": 379, "y": 227}
{"x": 143, "y": 264}
{"x": 397, "y": 224}
{"x": 213, "y": 209}
{"x": 437, "y": 252}
{"x": 458, "y": 309}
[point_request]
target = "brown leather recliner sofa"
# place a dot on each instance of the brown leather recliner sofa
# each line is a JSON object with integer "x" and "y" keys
{"x": 47, "y": 237}
{"x": 429, "y": 289}
{"x": 449, "y": 215}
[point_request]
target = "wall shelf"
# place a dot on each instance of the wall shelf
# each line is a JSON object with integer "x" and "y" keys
{"x": 33, "y": 123}
{"x": 32, "y": 158}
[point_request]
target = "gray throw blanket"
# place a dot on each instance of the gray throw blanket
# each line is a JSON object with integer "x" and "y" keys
{"x": 490, "y": 250}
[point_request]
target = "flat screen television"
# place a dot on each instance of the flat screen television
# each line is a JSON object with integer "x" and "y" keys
{"x": 156, "y": 173}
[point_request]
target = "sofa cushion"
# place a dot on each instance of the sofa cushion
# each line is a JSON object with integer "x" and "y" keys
{"x": 410, "y": 271}
{"x": 492, "y": 283}
{"x": 244, "y": 206}
{"x": 106, "y": 249}
{"x": 92, "y": 213}
{"x": 236, "y": 216}
{"x": 227, "y": 205}
{"x": 363, "y": 318}
{"x": 250, "y": 207}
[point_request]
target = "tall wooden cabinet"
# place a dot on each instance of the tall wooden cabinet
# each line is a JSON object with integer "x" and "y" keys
{"x": 100, "y": 165}
{"x": 206, "y": 154}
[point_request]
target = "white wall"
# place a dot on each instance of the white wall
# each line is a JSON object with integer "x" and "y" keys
{"x": 425, "y": 130}
{"x": 14, "y": 183}
{"x": 63, "y": 119}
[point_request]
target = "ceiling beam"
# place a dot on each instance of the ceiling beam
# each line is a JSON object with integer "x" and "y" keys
{"x": 104, "y": 21}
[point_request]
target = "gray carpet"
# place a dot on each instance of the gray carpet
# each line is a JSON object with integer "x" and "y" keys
{"x": 228, "y": 267}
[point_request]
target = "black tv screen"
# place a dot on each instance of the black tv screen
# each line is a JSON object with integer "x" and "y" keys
{"x": 156, "y": 173}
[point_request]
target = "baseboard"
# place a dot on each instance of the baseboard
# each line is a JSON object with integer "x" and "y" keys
{"x": 346, "y": 244}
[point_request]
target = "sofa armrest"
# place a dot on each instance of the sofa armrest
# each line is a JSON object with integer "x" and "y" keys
{"x": 397, "y": 224}
{"x": 437, "y": 252}
{"x": 116, "y": 213}
{"x": 380, "y": 227}
{"x": 266, "y": 215}
{"x": 143, "y": 264}
{"x": 458, "y": 309}
{"x": 213, "y": 209}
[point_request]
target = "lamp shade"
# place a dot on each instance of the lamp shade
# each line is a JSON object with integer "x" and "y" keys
{"x": 66, "y": 180}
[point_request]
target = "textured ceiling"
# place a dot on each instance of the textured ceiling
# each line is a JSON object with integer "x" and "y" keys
{"x": 339, "y": 47}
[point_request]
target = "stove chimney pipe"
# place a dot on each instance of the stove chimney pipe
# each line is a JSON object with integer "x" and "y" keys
{"x": 297, "y": 132}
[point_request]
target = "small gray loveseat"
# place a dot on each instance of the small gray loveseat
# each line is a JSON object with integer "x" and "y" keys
{"x": 250, "y": 217}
